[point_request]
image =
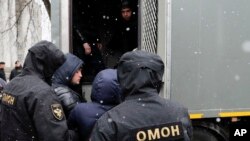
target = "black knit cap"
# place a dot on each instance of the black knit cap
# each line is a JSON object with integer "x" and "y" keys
{"x": 125, "y": 4}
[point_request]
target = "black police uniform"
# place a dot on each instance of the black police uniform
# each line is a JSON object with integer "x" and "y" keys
{"x": 30, "y": 111}
{"x": 93, "y": 63}
{"x": 124, "y": 38}
{"x": 144, "y": 115}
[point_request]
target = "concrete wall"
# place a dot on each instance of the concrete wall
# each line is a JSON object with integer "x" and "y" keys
{"x": 22, "y": 24}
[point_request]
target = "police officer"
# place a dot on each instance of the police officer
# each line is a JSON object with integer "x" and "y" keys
{"x": 17, "y": 70}
{"x": 144, "y": 115}
{"x": 125, "y": 34}
{"x": 2, "y": 72}
{"x": 30, "y": 110}
{"x": 88, "y": 48}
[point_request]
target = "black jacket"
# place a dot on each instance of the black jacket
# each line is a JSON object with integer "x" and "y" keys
{"x": 93, "y": 63}
{"x": 2, "y": 74}
{"x": 144, "y": 115}
{"x": 2, "y": 83}
{"x": 30, "y": 109}
{"x": 125, "y": 37}
{"x": 16, "y": 71}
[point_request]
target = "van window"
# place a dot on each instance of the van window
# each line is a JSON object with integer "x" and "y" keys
{"x": 95, "y": 24}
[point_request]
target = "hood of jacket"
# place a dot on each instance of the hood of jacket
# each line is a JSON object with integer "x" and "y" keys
{"x": 65, "y": 72}
{"x": 105, "y": 88}
{"x": 139, "y": 71}
{"x": 43, "y": 59}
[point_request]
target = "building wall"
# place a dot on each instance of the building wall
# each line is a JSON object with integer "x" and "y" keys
{"x": 8, "y": 31}
{"x": 22, "y": 24}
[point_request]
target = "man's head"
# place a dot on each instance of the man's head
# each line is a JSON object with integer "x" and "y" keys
{"x": 126, "y": 11}
{"x": 2, "y": 65}
{"x": 17, "y": 64}
{"x": 43, "y": 59}
{"x": 70, "y": 72}
{"x": 138, "y": 70}
{"x": 105, "y": 88}
{"x": 75, "y": 80}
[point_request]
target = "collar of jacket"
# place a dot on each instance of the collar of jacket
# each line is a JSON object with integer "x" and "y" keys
{"x": 142, "y": 95}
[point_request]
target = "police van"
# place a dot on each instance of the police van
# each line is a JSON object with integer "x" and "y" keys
{"x": 205, "y": 45}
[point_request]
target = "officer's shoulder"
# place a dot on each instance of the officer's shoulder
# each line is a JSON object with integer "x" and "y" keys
{"x": 174, "y": 104}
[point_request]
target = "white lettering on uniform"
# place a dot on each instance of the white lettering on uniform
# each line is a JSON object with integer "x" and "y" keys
{"x": 157, "y": 133}
{"x": 153, "y": 135}
{"x": 141, "y": 136}
{"x": 165, "y": 132}
{"x": 175, "y": 130}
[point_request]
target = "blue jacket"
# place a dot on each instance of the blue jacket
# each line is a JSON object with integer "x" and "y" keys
{"x": 61, "y": 81}
{"x": 105, "y": 95}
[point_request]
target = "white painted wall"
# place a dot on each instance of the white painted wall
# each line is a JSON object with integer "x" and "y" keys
{"x": 33, "y": 25}
{"x": 8, "y": 32}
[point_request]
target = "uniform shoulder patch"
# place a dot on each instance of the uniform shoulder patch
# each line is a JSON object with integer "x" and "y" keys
{"x": 57, "y": 111}
{"x": 161, "y": 132}
{"x": 8, "y": 99}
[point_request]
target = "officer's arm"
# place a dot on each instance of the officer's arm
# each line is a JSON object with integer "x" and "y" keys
{"x": 186, "y": 122}
{"x": 87, "y": 48}
{"x": 66, "y": 97}
{"x": 104, "y": 129}
{"x": 49, "y": 118}
{"x": 98, "y": 134}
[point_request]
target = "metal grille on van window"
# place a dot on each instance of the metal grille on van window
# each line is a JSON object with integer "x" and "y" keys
{"x": 149, "y": 25}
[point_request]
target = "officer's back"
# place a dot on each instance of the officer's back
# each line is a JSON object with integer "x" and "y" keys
{"x": 144, "y": 115}
{"x": 30, "y": 109}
